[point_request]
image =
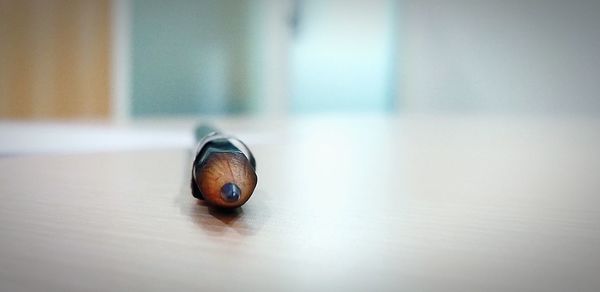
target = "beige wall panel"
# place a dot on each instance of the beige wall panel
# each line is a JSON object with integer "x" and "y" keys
{"x": 54, "y": 59}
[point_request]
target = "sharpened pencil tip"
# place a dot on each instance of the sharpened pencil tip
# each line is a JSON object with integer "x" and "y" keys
{"x": 230, "y": 192}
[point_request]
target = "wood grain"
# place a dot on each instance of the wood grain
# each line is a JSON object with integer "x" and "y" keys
{"x": 220, "y": 169}
{"x": 356, "y": 204}
{"x": 54, "y": 59}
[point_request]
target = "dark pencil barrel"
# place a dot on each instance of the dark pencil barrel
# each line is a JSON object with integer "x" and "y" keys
{"x": 203, "y": 131}
{"x": 223, "y": 172}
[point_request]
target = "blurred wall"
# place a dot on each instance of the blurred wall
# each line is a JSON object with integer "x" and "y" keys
{"x": 191, "y": 57}
{"x": 500, "y": 56}
{"x": 342, "y": 56}
{"x": 54, "y": 59}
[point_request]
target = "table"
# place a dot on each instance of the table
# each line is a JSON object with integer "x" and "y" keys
{"x": 357, "y": 203}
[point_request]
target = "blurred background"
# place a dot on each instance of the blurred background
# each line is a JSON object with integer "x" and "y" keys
{"x": 110, "y": 60}
{"x": 460, "y": 137}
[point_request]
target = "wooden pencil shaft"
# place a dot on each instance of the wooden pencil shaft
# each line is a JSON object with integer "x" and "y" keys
{"x": 223, "y": 171}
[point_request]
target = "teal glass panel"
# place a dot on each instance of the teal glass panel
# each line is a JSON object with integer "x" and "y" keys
{"x": 189, "y": 57}
{"x": 342, "y": 56}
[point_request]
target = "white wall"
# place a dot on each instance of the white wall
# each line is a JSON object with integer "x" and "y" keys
{"x": 500, "y": 56}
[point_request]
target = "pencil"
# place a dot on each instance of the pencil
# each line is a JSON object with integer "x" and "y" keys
{"x": 223, "y": 171}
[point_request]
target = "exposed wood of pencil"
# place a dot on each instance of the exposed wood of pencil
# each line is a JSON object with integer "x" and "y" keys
{"x": 221, "y": 168}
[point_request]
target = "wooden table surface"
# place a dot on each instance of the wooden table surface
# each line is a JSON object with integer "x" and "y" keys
{"x": 417, "y": 203}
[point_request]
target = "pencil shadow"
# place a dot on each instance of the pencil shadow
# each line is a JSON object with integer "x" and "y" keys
{"x": 245, "y": 220}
